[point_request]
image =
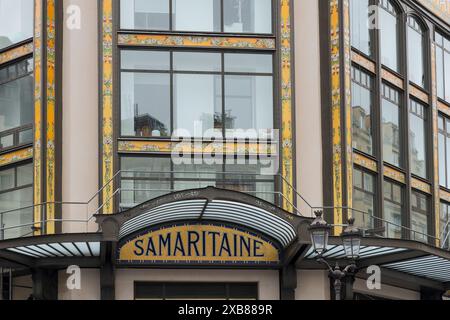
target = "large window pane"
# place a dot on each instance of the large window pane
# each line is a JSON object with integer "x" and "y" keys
{"x": 442, "y": 150}
{"x": 419, "y": 217}
{"x": 196, "y": 15}
{"x": 145, "y": 104}
{"x": 144, "y": 14}
{"x": 361, "y": 37}
{"x": 197, "y": 61}
{"x": 16, "y": 96}
{"x": 362, "y": 111}
{"x": 252, "y": 63}
{"x": 391, "y": 127}
{"x": 389, "y": 35}
{"x": 444, "y": 232}
{"x": 417, "y": 139}
{"x": 145, "y": 60}
{"x": 197, "y": 103}
{"x": 416, "y": 50}
{"x": 17, "y": 222}
{"x": 248, "y": 103}
{"x": 248, "y": 16}
{"x": 393, "y": 207}
{"x": 144, "y": 179}
{"x": 16, "y": 21}
{"x": 363, "y": 198}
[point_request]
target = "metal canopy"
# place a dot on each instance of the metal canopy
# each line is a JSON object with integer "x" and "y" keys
{"x": 33, "y": 250}
{"x": 430, "y": 267}
{"x": 337, "y": 252}
{"x": 208, "y": 204}
{"x": 216, "y": 210}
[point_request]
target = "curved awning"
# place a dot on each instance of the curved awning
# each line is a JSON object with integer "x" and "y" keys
{"x": 209, "y": 204}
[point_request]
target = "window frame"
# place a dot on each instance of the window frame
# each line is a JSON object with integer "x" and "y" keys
{"x": 371, "y": 89}
{"x": 424, "y": 212}
{"x": 15, "y": 167}
{"x": 446, "y": 133}
{"x": 23, "y": 41}
{"x": 426, "y": 63}
{"x": 173, "y": 72}
{"x": 363, "y": 190}
{"x": 399, "y": 36}
{"x": 15, "y": 132}
{"x": 391, "y": 200}
{"x": 426, "y": 138}
{"x": 445, "y": 37}
{"x": 273, "y": 23}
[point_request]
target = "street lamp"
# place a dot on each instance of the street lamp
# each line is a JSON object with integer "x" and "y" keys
{"x": 351, "y": 240}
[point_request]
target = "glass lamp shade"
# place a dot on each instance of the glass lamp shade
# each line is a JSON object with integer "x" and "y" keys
{"x": 319, "y": 240}
{"x": 320, "y": 232}
{"x": 351, "y": 239}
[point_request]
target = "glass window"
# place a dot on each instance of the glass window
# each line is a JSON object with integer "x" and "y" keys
{"x": 233, "y": 16}
{"x": 199, "y": 15}
{"x": 145, "y": 108}
{"x": 363, "y": 198}
{"x": 362, "y": 101}
{"x": 391, "y": 126}
{"x": 361, "y": 35}
{"x": 389, "y": 34}
{"x": 417, "y": 138}
{"x": 393, "y": 208}
{"x": 16, "y": 196}
{"x": 443, "y": 66}
{"x": 248, "y": 103}
{"x": 144, "y": 14}
{"x": 187, "y": 89}
{"x": 444, "y": 151}
{"x": 247, "y": 16}
{"x": 444, "y": 224}
{"x": 16, "y": 21}
{"x": 16, "y": 102}
{"x": 195, "y": 291}
{"x": 197, "y": 103}
{"x": 420, "y": 209}
{"x": 416, "y": 52}
{"x": 145, "y": 178}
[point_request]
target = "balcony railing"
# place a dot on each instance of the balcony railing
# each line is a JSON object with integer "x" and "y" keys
{"x": 131, "y": 188}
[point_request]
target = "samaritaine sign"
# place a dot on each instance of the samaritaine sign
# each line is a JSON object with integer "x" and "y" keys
{"x": 197, "y": 243}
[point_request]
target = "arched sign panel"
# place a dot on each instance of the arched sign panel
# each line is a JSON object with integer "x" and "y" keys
{"x": 197, "y": 244}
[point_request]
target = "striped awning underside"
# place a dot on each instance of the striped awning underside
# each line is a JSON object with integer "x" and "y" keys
{"x": 216, "y": 210}
{"x": 59, "y": 250}
{"x": 337, "y": 252}
{"x": 431, "y": 267}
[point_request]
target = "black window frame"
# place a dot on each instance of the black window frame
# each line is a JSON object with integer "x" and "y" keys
{"x": 397, "y": 13}
{"x": 401, "y": 204}
{"x": 422, "y": 211}
{"x": 273, "y": 23}
{"x": 445, "y": 132}
{"x": 414, "y": 23}
{"x": 16, "y": 187}
{"x": 160, "y": 290}
{"x": 15, "y": 132}
{"x": 374, "y": 194}
{"x": 426, "y": 118}
{"x": 445, "y": 37}
{"x": 370, "y": 77}
{"x": 221, "y": 73}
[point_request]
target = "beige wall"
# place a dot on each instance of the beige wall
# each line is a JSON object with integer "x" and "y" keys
{"x": 386, "y": 291}
{"x": 312, "y": 285}
{"x": 267, "y": 280}
{"x": 90, "y": 286}
{"x": 80, "y": 113}
{"x": 308, "y": 103}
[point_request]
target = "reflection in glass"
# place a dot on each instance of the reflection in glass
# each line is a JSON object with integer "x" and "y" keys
{"x": 145, "y": 104}
{"x": 248, "y": 16}
{"x": 444, "y": 225}
{"x": 252, "y": 63}
{"x": 417, "y": 139}
{"x": 362, "y": 109}
{"x": 363, "y": 199}
{"x": 199, "y": 15}
{"x": 361, "y": 37}
{"x": 248, "y": 103}
{"x": 416, "y": 50}
{"x": 393, "y": 207}
{"x": 144, "y": 179}
{"x": 419, "y": 216}
{"x": 144, "y": 14}
{"x": 145, "y": 60}
{"x": 391, "y": 126}
{"x": 197, "y": 103}
{"x": 443, "y": 66}
{"x": 16, "y": 21}
{"x": 389, "y": 31}
{"x": 197, "y": 61}
{"x": 16, "y": 96}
